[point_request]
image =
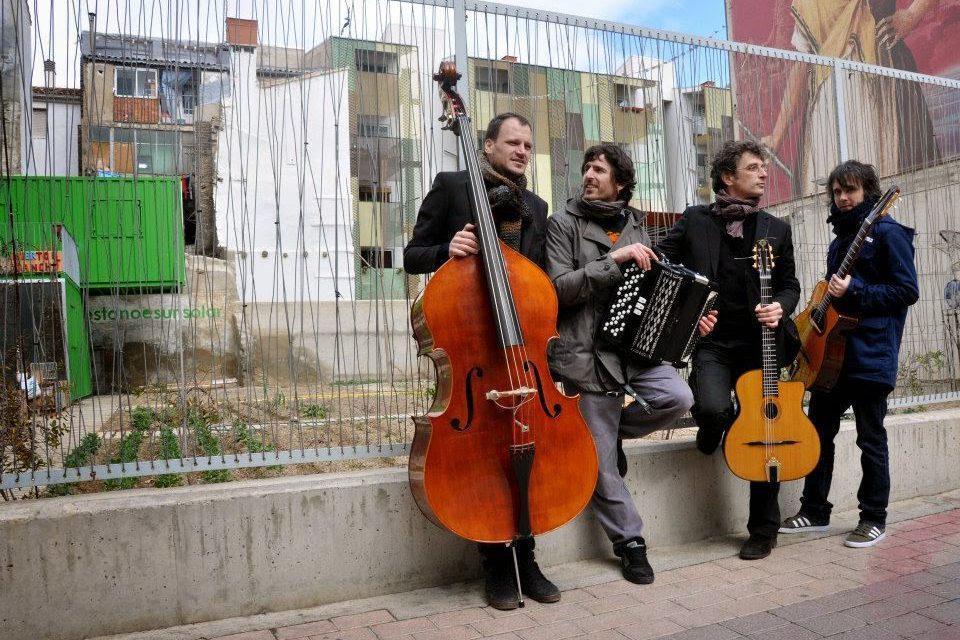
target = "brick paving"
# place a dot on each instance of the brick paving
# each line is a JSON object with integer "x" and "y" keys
{"x": 905, "y": 587}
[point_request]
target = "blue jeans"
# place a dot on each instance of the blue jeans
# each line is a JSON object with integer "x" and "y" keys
{"x": 869, "y": 402}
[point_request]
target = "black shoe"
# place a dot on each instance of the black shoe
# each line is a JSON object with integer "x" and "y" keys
{"x": 633, "y": 561}
{"x": 500, "y": 586}
{"x": 708, "y": 439}
{"x": 621, "y": 459}
{"x": 534, "y": 583}
{"x": 756, "y": 547}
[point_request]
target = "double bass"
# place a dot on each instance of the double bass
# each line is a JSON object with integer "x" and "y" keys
{"x": 501, "y": 454}
{"x": 772, "y": 439}
{"x": 822, "y": 329}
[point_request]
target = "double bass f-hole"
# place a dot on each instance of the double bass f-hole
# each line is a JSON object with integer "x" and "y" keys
{"x": 468, "y": 392}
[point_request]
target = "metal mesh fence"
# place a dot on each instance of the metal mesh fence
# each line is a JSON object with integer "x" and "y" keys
{"x": 215, "y": 266}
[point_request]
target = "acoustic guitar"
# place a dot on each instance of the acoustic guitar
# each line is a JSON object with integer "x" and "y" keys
{"x": 822, "y": 329}
{"x": 772, "y": 440}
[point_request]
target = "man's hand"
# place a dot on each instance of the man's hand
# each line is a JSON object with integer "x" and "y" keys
{"x": 639, "y": 253}
{"x": 769, "y": 315}
{"x": 838, "y": 286}
{"x": 707, "y": 323}
{"x": 464, "y": 243}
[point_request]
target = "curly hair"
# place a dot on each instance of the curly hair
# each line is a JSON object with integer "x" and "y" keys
{"x": 727, "y": 158}
{"x": 619, "y": 161}
{"x": 855, "y": 174}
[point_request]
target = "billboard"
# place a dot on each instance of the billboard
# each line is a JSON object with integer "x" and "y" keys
{"x": 791, "y": 106}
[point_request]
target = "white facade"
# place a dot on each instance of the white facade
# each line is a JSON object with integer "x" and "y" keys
{"x": 283, "y": 198}
{"x": 54, "y": 138}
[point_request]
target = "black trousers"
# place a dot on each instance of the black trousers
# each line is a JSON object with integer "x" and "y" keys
{"x": 501, "y": 555}
{"x": 716, "y": 369}
{"x": 869, "y": 402}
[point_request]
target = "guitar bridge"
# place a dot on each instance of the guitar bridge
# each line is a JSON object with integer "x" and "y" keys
{"x": 773, "y": 470}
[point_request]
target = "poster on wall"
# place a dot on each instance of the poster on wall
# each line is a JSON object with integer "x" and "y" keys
{"x": 791, "y": 107}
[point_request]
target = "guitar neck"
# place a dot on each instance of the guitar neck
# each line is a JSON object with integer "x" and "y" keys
{"x": 771, "y": 368}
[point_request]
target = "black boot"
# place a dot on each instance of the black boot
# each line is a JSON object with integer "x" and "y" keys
{"x": 532, "y": 581}
{"x": 757, "y": 547}
{"x": 500, "y": 585}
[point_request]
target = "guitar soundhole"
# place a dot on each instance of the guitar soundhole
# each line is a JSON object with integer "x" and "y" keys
{"x": 770, "y": 411}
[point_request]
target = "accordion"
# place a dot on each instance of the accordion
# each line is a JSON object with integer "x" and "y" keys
{"x": 654, "y": 314}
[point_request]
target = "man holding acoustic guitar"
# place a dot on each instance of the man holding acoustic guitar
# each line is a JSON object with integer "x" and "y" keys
{"x": 719, "y": 241}
{"x": 873, "y": 289}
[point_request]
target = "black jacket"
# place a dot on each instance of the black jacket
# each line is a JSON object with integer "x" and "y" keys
{"x": 446, "y": 209}
{"x": 695, "y": 242}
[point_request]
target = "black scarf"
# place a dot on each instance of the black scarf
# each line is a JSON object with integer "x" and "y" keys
{"x": 734, "y": 211}
{"x": 846, "y": 223}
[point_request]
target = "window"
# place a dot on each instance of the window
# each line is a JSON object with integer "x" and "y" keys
{"x": 625, "y": 95}
{"x": 369, "y": 193}
{"x": 376, "y": 257}
{"x": 39, "y": 124}
{"x": 131, "y": 151}
{"x": 135, "y": 83}
{"x": 373, "y": 127}
{"x": 376, "y": 61}
{"x": 492, "y": 79}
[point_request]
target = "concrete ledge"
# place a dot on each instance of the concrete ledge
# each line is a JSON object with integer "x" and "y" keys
{"x": 113, "y": 563}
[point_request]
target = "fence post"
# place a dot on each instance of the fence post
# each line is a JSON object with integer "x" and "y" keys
{"x": 460, "y": 49}
{"x": 839, "y": 96}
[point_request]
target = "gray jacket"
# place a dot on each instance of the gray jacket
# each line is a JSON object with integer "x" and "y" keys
{"x": 586, "y": 278}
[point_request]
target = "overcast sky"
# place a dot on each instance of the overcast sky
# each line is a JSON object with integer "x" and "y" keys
{"x": 56, "y": 23}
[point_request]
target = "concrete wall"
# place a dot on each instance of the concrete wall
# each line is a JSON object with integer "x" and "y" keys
{"x": 110, "y": 563}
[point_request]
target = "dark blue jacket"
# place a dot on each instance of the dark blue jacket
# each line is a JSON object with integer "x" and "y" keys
{"x": 882, "y": 286}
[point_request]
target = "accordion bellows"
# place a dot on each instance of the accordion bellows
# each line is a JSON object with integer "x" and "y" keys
{"x": 654, "y": 314}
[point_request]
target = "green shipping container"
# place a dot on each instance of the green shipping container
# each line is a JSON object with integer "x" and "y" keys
{"x": 129, "y": 232}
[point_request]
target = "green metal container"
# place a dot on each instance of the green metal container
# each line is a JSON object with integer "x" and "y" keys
{"x": 129, "y": 232}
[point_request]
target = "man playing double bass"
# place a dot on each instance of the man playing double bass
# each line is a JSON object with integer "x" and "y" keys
{"x": 444, "y": 230}
{"x": 587, "y": 245}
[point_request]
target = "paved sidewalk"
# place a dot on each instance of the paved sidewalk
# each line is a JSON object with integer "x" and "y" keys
{"x": 812, "y": 586}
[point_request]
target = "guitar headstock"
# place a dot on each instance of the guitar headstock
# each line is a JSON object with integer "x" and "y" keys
{"x": 884, "y": 204}
{"x": 453, "y": 107}
{"x": 763, "y": 258}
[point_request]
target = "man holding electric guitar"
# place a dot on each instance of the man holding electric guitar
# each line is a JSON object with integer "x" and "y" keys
{"x": 718, "y": 241}
{"x": 874, "y": 290}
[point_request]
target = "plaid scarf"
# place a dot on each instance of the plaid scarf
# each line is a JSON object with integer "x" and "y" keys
{"x": 734, "y": 211}
{"x": 509, "y": 208}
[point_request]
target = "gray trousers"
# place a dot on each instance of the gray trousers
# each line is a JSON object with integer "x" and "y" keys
{"x": 669, "y": 398}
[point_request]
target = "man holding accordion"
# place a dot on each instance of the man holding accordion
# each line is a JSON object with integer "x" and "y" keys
{"x": 589, "y": 246}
